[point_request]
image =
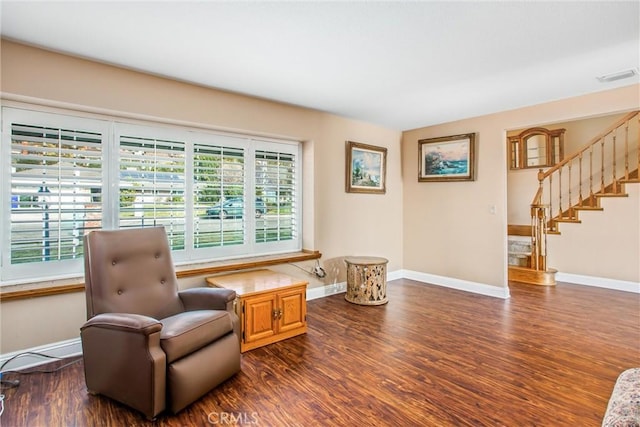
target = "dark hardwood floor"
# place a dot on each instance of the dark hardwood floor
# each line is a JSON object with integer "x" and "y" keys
{"x": 548, "y": 356}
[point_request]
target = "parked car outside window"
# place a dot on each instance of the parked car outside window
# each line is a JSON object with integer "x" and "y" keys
{"x": 234, "y": 208}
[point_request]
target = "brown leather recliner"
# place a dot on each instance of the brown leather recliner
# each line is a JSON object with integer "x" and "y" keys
{"x": 146, "y": 344}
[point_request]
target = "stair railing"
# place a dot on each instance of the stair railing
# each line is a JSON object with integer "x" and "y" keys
{"x": 598, "y": 168}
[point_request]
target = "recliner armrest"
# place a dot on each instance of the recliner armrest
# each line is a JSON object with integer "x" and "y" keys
{"x": 208, "y": 298}
{"x": 123, "y": 360}
{"x": 124, "y": 322}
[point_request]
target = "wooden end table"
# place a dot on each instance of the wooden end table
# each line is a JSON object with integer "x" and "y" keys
{"x": 271, "y": 306}
{"x": 366, "y": 280}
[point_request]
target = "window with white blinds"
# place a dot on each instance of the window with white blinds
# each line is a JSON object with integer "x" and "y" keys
{"x": 217, "y": 195}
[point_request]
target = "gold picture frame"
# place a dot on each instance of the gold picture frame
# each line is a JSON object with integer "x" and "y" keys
{"x": 366, "y": 168}
{"x": 447, "y": 158}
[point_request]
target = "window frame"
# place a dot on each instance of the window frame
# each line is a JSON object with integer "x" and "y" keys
{"x": 112, "y": 128}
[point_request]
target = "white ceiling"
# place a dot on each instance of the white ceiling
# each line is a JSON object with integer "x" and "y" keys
{"x": 399, "y": 64}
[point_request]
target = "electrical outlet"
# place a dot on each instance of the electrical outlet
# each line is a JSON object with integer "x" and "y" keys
{"x": 319, "y": 271}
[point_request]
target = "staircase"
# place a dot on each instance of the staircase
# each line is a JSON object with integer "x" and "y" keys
{"x": 577, "y": 184}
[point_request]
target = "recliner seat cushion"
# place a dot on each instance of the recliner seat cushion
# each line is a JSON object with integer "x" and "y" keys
{"x": 189, "y": 331}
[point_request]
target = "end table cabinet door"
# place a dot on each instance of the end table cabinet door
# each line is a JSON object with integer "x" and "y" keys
{"x": 274, "y": 316}
{"x": 292, "y": 306}
{"x": 259, "y": 317}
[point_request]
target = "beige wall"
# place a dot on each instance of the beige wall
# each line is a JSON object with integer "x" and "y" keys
{"x": 449, "y": 229}
{"x": 335, "y": 223}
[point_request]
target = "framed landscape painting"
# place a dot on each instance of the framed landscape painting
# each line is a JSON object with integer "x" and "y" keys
{"x": 366, "y": 168}
{"x": 448, "y": 158}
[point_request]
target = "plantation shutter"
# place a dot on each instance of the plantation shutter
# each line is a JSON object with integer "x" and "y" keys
{"x": 56, "y": 191}
{"x": 218, "y": 175}
{"x": 276, "y": 184}
{"x": 152, "y": 186}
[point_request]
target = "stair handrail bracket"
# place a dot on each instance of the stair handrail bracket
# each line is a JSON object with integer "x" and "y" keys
{"x": 600, "y": 168}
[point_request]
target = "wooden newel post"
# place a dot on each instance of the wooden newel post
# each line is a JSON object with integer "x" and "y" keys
{"x": 538, "y": 237}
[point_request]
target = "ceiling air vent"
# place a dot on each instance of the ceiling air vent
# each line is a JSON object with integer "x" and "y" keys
{"x": 617, "y": 76}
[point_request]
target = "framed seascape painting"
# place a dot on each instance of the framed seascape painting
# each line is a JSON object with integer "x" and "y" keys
{"x": 448, "y": 158}
{"x": 366, "y": 168}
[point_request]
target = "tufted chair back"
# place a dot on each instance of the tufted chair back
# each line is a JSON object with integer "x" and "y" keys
{"x": 130, "y": 271}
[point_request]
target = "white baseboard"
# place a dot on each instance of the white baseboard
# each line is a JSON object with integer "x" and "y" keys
{"x": 338, "y": 288}
{"x": 599, "y": 282}
{"x": 479, "y": 288}
{"x": 462, "y": 285}
{"x": 393, "y": 275}
{"x": 326, "y": 290}
{"x": 23, "y": 360}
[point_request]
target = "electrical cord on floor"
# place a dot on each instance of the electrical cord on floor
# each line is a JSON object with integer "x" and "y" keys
{"x": 27, "y": 353}
{"x": 6, "y": 384}
{"x": 30, "y": 353}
